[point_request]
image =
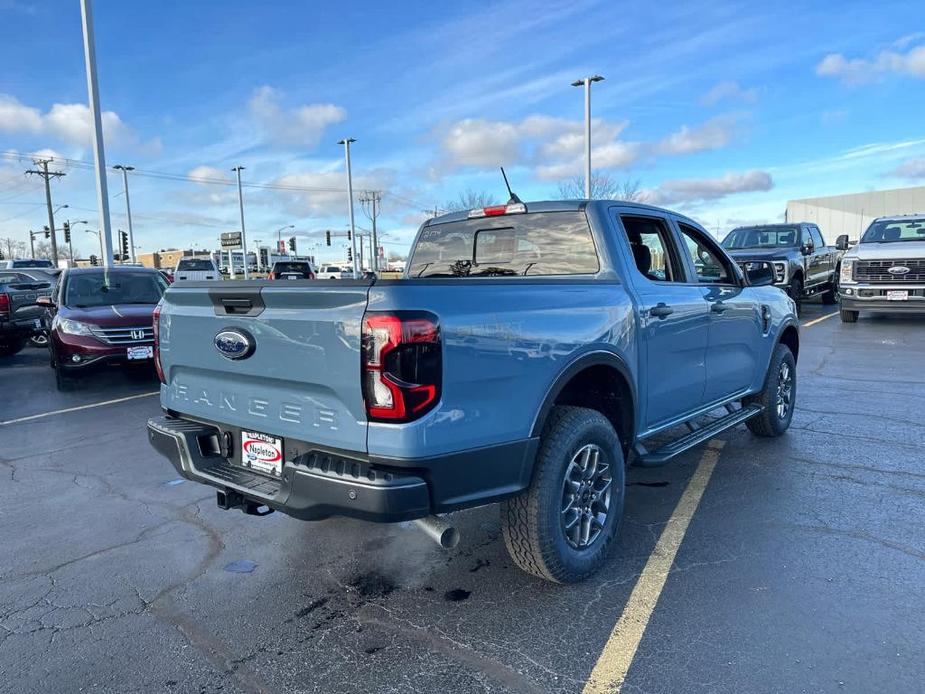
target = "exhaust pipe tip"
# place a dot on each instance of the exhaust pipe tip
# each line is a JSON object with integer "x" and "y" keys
{"x": 439, "y": 531}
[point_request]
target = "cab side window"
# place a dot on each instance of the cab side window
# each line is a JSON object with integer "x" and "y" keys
{"x": 653, "y": 254}
{"x": 818, "y": 241}
{"x": 711, "y": 266}
{"x": 806, "y": 238}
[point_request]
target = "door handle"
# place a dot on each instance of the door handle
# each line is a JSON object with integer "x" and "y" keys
{"x": 718, "y": 307}
{"x": 661, "y": 310}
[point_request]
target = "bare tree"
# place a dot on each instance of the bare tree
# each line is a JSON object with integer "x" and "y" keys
{"x": 8, "y": 244}
{"x": 603, "y": 187}
{"x": 470, "y": 200}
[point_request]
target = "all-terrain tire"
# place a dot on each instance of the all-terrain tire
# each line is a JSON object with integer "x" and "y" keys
{"x": 771, "y": 422}
{"x": 830, "y": 295}
{"x": 531, "y": 523}
{"x": 848, "y": 316}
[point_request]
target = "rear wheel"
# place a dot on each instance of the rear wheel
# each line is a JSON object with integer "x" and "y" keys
{"x": 562, "y": 527}
{"x": 778, "y": 397}
{"x": 848, "y": 316}
{"x": 12, "y": 346}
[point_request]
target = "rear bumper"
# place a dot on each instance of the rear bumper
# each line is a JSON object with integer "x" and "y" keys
{"x": 319, "y": 483}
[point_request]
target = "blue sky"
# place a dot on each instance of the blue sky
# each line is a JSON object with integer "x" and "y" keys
{"x": 722, "y": 110}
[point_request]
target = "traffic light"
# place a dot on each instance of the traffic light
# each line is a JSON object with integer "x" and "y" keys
{"x": 327, "y": 238}
{"x": 292, "y": 243}
{"x": 349, "y": 234}
{"x": 47, "y": 232}
{"x": 2, "y": 257}
{"x": 350, "y": 255}
{"x": 93, "y": 261}
{"x": 123, "y": 244}
{"x": 67, "y": 232}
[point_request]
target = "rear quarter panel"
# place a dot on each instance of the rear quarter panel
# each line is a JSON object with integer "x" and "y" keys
{"x": 504, "y": 344}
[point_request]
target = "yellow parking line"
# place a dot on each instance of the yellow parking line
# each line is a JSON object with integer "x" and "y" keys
{"x": 79, "y": 407}
{"x": 811, "y": 323}
{"x": 615, "y": 660}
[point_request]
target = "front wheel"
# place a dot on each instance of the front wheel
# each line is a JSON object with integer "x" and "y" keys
{"x": 830, "y": 295}
{"x": 848, "y": 316}
{"x": 778, "y": 397}
{"x": 562, "y": 527}
{"x": 10, "y": 347}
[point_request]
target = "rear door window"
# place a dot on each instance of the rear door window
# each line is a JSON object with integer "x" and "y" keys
{"x": 533, "y": 244}
{"x": 650, "y": 242}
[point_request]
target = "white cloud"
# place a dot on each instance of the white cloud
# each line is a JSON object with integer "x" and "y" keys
{"x": 303, "y": 125}
{"x": 326, "y": 192}
{"x": 716, "y": 133}
{"x": 208, "y": 172}
{"x": 912, "y": 169}
{"x": 70, "y": 123}
{"x": 694, "y": 190}
{"x": 554, "y": 147}
{"x": 856, "y": 71}
{"x": 729, "y": 90}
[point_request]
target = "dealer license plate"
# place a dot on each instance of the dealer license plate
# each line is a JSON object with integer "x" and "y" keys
{"x": 262, "y": 452}
{"x": 136, "y": 353}
{"x": 897, "y": 295}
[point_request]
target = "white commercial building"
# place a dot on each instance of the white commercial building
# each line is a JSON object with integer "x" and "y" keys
{"x": 851, "y": 214}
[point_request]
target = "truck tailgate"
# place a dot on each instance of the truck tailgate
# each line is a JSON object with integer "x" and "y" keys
{"x": 302, "y": 377}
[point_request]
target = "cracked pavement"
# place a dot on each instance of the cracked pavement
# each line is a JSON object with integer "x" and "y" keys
{"x": 803, "y": 568}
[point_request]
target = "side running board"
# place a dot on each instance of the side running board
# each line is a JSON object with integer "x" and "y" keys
{"x": 698, "y": 435}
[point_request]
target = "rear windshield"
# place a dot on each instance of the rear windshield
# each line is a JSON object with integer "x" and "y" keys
{"x": 194, "y": 264}
{"x": 763, "y": 237}
{"x": 110, "y": 288}
{"x": 291, "y": 267}
{"x": 537, "y": 244}
{"x": 890, "y": 231}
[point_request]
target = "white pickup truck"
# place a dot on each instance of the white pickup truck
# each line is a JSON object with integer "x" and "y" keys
{"x": 885, "y": 272}
{"x": 192, "y": 269}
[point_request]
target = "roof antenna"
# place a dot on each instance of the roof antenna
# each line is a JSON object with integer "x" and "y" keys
{"x": 514, "y": 199}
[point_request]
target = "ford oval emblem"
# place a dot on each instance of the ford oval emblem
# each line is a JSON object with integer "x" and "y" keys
{"x": 234, "y": 344}
{"x": 899, "y": 270}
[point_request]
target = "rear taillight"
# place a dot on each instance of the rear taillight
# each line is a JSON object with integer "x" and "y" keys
{"x": 402, "y": 365}
{"x": 271, "y": 276}
{"x": 156, "y": 325}
{"x": 4, "y": 303}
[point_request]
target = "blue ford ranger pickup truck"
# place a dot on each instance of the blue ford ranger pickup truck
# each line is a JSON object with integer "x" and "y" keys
{"x": 529, "y": 353}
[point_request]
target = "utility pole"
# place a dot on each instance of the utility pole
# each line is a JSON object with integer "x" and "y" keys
{"x": 346, "y": 142}
{"x": 48, "y": 175}
{"x": 361, "y": 250}
{"x": 372, "y": 200}
{"x": 238, "y": 170}
{"x": 586, "y": 83}
{"x": 32, "y": 244}
{"x": 99, "y": 155}
{"x": 128, "y": 207}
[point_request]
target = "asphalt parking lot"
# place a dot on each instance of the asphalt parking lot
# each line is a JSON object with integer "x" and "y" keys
{"x": 802, "y": 568}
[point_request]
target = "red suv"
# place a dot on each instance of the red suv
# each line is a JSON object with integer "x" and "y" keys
{"x": 102, "y": 316}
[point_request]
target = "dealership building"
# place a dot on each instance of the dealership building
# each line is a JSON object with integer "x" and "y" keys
{"x": 851, "y": 214}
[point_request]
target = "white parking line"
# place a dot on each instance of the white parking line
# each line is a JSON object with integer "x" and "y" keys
{"x": 615, "y": 660}
{"x": 79, "y": 407}
{"x": 811, "y": 323}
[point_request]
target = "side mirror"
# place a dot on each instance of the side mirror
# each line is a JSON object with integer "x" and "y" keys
{"x": 44, "y": 301}
{"x": 759, "y": 273}
{"x": 807, "y": 249}
{"x": 841, "y": 243}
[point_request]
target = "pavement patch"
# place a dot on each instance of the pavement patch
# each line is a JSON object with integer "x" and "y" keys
{"x": 241, "y": 566}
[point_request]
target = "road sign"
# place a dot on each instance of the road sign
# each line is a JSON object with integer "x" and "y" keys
{"x": 231, "y": 240}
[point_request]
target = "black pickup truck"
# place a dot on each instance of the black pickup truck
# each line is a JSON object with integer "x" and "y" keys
{"x": 803, "y": 264}
{"x": 20, "y": 315}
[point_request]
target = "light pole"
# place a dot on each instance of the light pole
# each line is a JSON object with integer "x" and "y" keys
{"x": 279, "y": 234}
{"x": 128, "y": 206}
{"x": 99, "y": 155}
{"x": 70, "y": 237}
{"x": 586, "y": 83}
{"x": 346, "y": 142}
{"x": 238, "y": 170}
{"x": 99, "y": 235}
